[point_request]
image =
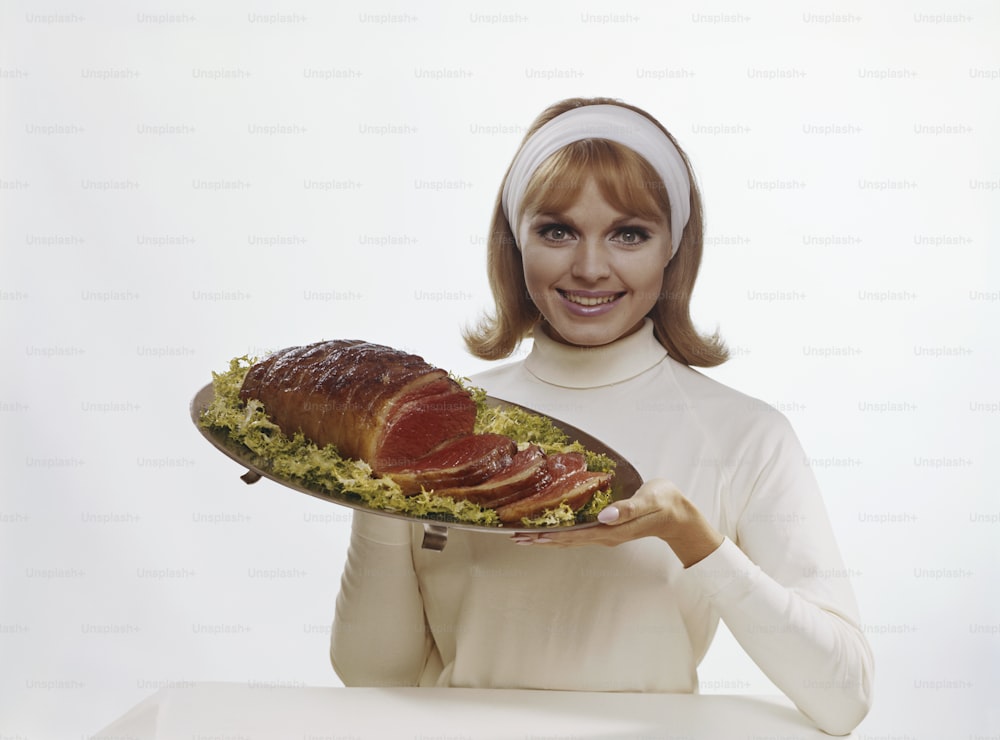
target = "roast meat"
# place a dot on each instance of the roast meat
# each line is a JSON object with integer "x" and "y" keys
{"x": 528, "y": 473}
{"x": 373, "y": 403}
{"x": 464, "y": 461}
{"x": 411, "y": 422}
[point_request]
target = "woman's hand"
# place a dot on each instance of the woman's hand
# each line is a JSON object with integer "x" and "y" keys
{"x": 657, "y": 509}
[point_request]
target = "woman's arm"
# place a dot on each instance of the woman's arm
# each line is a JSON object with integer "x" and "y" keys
{"x": 804, "y": 635}
{"x": 814, "y": 652}
{"x": 778, "y": 581}
{"x": 781, "y": 585}
{"x": 379, "y": 635}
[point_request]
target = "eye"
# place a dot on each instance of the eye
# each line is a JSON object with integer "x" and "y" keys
{"x": 555, "y": 232}
{"x": 632, "y": 235}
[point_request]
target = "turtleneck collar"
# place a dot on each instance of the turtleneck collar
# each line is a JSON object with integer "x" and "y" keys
{"x": 571, "y": 366}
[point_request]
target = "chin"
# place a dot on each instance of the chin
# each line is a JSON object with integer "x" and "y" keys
{"x": 585, "y": 337}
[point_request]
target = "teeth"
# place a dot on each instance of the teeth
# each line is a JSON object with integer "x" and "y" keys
{"x": 588, "y": 301}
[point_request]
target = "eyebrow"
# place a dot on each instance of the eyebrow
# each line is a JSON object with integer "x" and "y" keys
{"x": 617, "y": 222}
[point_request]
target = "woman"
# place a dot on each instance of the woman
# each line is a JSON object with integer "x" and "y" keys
{"x": 595, "y": 245}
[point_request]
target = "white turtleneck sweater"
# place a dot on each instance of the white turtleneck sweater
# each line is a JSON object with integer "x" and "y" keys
{"x": 486, "y": 612}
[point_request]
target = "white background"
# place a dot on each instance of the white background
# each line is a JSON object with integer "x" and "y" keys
{"x": 181, "y": 184}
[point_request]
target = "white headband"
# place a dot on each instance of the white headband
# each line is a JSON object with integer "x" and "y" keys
{"x": 615, "y": 123}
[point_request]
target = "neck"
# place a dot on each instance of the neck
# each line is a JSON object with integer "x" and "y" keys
{"x": 573, "y": 366}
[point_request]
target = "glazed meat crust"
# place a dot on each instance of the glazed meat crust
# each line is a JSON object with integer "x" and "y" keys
{"x": 371, "y": 402}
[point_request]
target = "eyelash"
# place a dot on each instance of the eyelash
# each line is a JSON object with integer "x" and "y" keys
{"x": 641, "y": 233}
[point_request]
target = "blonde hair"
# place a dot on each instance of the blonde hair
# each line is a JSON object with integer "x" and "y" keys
{"x": 630, "y": 185}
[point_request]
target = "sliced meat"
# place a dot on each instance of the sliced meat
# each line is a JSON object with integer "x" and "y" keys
{"x": 564, "y": 463}
{"x": 576, "y": 489}
{"x": 527, "y": 474}
{"x": 466, "y": 461}
{"x": 421, "y": 421}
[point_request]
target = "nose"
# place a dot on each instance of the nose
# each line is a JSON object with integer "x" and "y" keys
{"x": 590, "y": 261}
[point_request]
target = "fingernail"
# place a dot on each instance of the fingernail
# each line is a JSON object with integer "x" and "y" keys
{"x": 543, "y": 539}
{"x": 608, "y": 515}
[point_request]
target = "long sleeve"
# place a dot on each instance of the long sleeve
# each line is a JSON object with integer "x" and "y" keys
{"x": 379, "y": 635}
{"x": 784, "y": 591}
{"x": 817, "y": 657}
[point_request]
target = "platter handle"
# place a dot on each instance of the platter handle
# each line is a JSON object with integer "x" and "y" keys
{"x": 435, "y": 537}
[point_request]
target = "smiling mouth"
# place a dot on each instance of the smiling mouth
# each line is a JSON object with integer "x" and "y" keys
{"x": 583, "y": 299}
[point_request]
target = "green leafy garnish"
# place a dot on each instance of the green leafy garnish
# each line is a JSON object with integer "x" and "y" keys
{"x": 525, "y": 427}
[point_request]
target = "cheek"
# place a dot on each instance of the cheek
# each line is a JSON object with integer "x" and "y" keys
{"x": 540, "y": 267}
{"x": 648, "y": 281}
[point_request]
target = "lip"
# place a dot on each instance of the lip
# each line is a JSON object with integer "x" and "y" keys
{"x": 578, "y": 309}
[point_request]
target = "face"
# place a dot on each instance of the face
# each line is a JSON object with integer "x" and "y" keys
{"x": 592, "y": 271}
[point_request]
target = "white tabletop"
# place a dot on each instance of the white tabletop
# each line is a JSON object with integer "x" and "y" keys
{"x": 249, "y": 712}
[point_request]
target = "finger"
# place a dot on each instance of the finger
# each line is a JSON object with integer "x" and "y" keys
{"x": 526, "y": 538}
{"x": 602, "y": 536}
{"x": 563, "y": 539}
{"x": 609, "y": 515}
{"x": 618, "y": 513}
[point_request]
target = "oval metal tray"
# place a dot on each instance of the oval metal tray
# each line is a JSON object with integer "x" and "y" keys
{"x": 625, "y": 482}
